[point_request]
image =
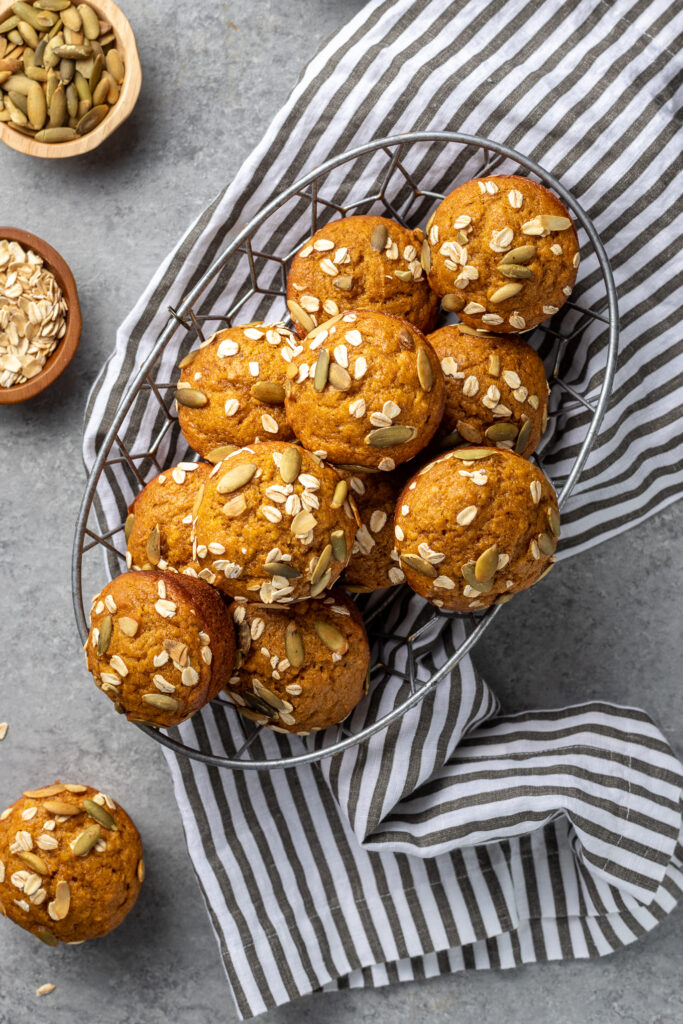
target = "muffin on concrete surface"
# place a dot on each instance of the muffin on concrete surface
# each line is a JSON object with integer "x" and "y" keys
{"x": 159, "y": 524}
{"x": 231, "y": 389}
{"x": 71, "y": 863}
{"x": 360, "y": 262}
{"x": 374, "y": 559}
{"x": 476, "y": 526}
{"x": 299, "y": 669}
{"x": 496, "y": 389}
{"x": 275, "y": 524}
{"x": 367, "y": 391}
{"x": 502, "y": 252}
{"x": 161, "y": 645}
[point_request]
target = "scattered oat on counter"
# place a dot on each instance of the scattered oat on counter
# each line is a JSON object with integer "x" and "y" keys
{"x": 45, "y": 990}
{"x": 4, "y": 726}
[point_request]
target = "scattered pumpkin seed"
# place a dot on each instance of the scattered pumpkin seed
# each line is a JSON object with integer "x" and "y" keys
{"x": 523, "y": 437}
{"x": 452, "y": 303}
{"x": 104, "y": 638}
{"x": 290, "y": 464}
{"x": 469, "y": 433}
{"x": 486, "y": 565}
{"x": 190, "y": 397}
{"x": 46, "y": 936}
{"x": 217, "y": 455}
{"x": 339, "y": 545}
{"x": 322, "y": 584}
{"x": 338, "y": 377}
{"x": 322, "y": 368}
{"x": 38, "y": 794}
{"x": 33, "y": 861}
{"x": 236, "y": 478}
{"x": 100, "y": 814}
{"x": 547, "y": 544}
{"x": 84, "y": 843}
{"x": 522, "y": 254}
{"x": 322, "y": 565}
{"x": 61, "y": 808}
{"x": 554, "y": 520}
{"x": 387, "y": 437}
{"x": 282, "y": 569}
{"x": 426, "y": 257}
{"x": 154, "y": 546}
{"x": 507, "y": 291}
{"x": 425, "y": 373}
{"x": 471, "y": 454}
{"x": 332, "y": 637}
{"x": 501, "y": 432}
{"x": 515, "y": 270}
{"x": 161, "y": 701}
{"x": 268, "y": 391}
{"x": 470, "y": 576}
{"x": 340, "y": 495}
{"x": 344, "y": 282}
{"x": 378, "y": 238}
{"x": 191, "y": 356}
{"x": 418, "y": 564}
{"x": 294, "y": 646}
{"x": 300, "y": 315}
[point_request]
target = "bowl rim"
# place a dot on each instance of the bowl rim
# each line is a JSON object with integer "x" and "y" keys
{"x": 66, "y": 347}
{"x": 130, "y": 91}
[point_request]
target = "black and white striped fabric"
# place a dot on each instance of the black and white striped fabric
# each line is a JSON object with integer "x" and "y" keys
{"x": 458, "y": 838}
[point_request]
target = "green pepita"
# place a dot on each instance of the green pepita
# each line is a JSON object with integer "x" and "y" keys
{"x": 154, "y": 546}
{"x": 501, "y": 432}
{"x": 294, "y": 646}
{"x": 339, "y": 546}
{"x": 332, "y": 637}
{"x": 452, "y": 303}
{"x": 425, "y": 373}
{"x": 523, "y": 437}
{"x": 322, "y": 368}
{"x": 378, "y": 238}
{"x": 387, "y": 437}
{"x": 486, "y": 565}
{"x": 84, "y": 843}
{"x": 290, "y": 464}
{"x": 236, "y": 478}
{"x": 104, "y": 638}
{"x": 160, "y": 701}
{"x": 268, "y": 391}
{"x": 522, "y": 254}
{"x": 100, "y": 814}
{"x": 340, "y": 495}
{"x": 418, "y": 564}
{"x": 322, "y": 565}
{"x": 282, "y": 569}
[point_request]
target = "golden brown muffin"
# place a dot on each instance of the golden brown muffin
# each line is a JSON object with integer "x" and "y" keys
{"x": 159, "y": 523}
{"x": 502, "y": 252}
{"x": 374, "y": 559}
{"x": 360, "y": 262}
{"x": 70, "y": 863}
{"x": 161, "y": 645}
{"x": 231, "y": 389}
{"x": 303, "y": 668}
{"x": 476, "y": 526}
{"x": 496, "y": 389}
{"x": 275, "y": 524}
{"x": 366, "y": 391}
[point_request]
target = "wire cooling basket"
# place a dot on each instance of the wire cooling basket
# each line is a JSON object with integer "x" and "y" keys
{"x": 402, "y": 177}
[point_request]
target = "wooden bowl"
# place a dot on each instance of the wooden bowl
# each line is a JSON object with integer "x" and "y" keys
{"x": 130, "y": 90}
{"x": 64, "y": 352}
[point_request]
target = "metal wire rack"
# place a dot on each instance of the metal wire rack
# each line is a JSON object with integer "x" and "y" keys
{"x": 402, "y": 177}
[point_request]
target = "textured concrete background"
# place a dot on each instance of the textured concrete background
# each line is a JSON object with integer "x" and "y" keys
{"x": 601, "y": 626}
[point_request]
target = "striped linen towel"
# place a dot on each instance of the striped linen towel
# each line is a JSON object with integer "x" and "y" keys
{"x": 458, "y": 838}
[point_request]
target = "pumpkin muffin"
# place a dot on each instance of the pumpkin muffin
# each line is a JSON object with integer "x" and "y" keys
{"x": 360, "y": 262}
{"x": 502, "y": 252}
{"x": 70, "y": 863}
{"x": 476, "y": 526}
{"x": 366, "y": 391}
{"x": 161, "y": 645}
{"x": 159, "y": 524}
{"x": 231, "y": 389}
{"x": 496, "y": 389}
{"x": 374, "y": 559}
{"x": 300, "y": 669}
{"x": 275, "y": 524}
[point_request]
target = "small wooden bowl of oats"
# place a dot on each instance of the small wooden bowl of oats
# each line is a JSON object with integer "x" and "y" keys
{"x": 40, "y": 315}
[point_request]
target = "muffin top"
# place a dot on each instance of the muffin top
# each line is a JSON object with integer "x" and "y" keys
{"x": 159, "y": 524}
{"x": 476, "y": 526}
{"x": 496, "y": 389}
{"x": 360, "y": 262}
{"x": 231, "y": 389}
{"x": 374, "y": 559}
{"x": 367, "y": 390}
{"x": 161, "y": 645}
{"x": 302, "y": 668}
{"x": 275, "y": 524}
{"x": 70, "y": 863}
{"x": 502, "y": 253}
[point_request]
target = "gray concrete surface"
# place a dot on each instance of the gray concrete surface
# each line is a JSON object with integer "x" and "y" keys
{"x": 602, "y": 626}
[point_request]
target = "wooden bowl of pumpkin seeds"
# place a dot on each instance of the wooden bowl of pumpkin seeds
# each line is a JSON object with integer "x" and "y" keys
{"x": 69, "y": 75}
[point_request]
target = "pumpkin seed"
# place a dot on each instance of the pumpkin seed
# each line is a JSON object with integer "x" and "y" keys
{"x": 426, "y": 257}
{"x": 100, "y": 814}
{"x": 508, "y": 291}
{"x": 141, "y": 871}
{"x": 547, "y": 544}
{"x": 504, "y": 598}
{"x": 486, "y": 565}
{"x": 72, "y": 19}
{"x": 71, "y": 101}
{"x": 523, "y": 437}
{"x": 522, "y": 254}
{"x": 36, "y": 106}
{"x": 387, "y": 437}
{"x": 294, "y": 646}
{"x": 46, "y": 936}
{"x": 96, "y": 73}
{"x": 115, "y": 65}
{"x": 469, "y": 575}
{"x": 53, "y": 5}
{"x": 378, "y": 238}
{"x": 257, "y": 703}
{"x": 338, "y": 377}
{"x": 420, "y": 565}
{"x": 161, "y": 701}
{"x": 62, "y": 901}
{"x": 290, "y": 464}
{"x": 406, "y": 340}
{"x": 282, "y": 569}
{"x": 303, "y": 522}
{"x": 339, "y": 546}
{"x": 58, "y": 111}
{"x": 154, "y": 546}
{"x": 452, "y": 303}
{"x": 198, "y": 500}
{"x": 546, "y": 571}
{"x": 37, "y": 75}
{"x": 20, "y": 101}
{"x": 38, "y": 20}
{"x": 271, "y": 698}
{"x": 332, "y": 637}
{"x": 340, "y": 495}
{"x": 515, "y": 270}
{"x": 322, "y": 565}
{"x": 322, "y": 368}
{"x": 464, "y": 329}
{"x": 28, "y": 34}
{"x": 554, "y": 520}
{"x": 502, "y": 432}
{"x": 236, "y": 478}
{"x": 300, "y": 315}
{"x": 403, "y": 275}
{"x": 190, "y": 397}
{"x": 454, "y": 438}
{"x": 86, "y": 840}
{"x": 33, "y": 861}
{"x": 217, "y": 455}
{"x": 101, "y": 91}
{"x": 104, "y": 638}
{"x": 268, "y": 391}
{"x": 71, "y": 52}
{"x": 61, "y": 808}
{"x": 471, "y": 454}
{"x": 38, "y": 794}
{"x": 425, "y": 373}
{"x": 469, "y": 433}
{"x": 82, "y": 87}
{"x": 91, "y": 23}
{"x": 344, "y": 282}
{"x": 9, "y": 24}
{"x": 189, "y": 358}
{"x": 86, "y": 124}
{"x": 322, "y": 584}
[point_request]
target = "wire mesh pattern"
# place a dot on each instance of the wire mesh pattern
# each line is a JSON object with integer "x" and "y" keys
{"x": 247, "y": 281}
